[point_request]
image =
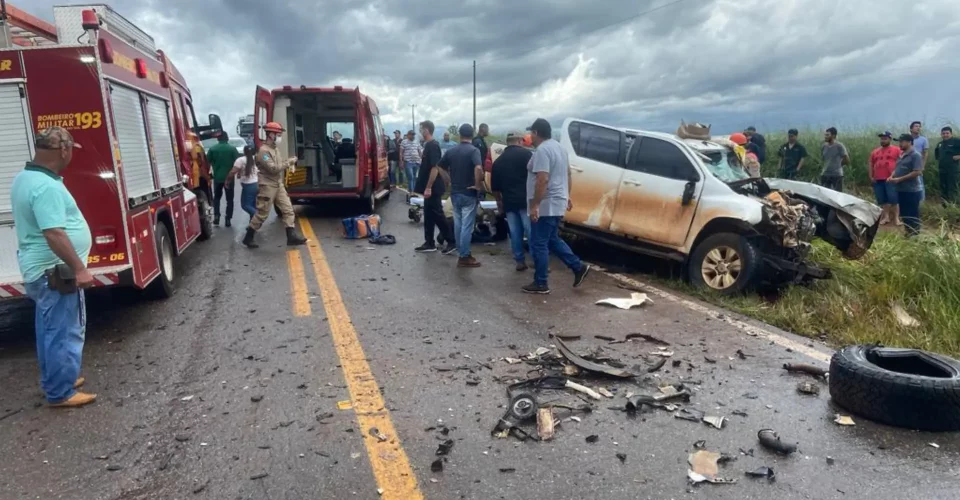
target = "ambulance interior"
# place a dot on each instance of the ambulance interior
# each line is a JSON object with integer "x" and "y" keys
{"x": 310, "y": 120}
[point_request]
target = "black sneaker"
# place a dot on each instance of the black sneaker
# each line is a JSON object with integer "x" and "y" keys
{"x": 536, "y": 289}
{"x": 216, "y": 221}
{"x": 449, "y": 249}
{"x": 580, "y": 275}
{"x": 228, "y": 223}
{"x": 425, "y": 248}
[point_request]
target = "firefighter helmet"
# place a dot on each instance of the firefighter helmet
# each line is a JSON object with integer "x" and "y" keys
{"x": 738, "y": 138}
{"x": 527, "y": 141}
{"x": 273, "y": 127}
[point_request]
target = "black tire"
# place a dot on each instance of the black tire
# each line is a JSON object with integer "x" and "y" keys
{"x": 164, "y": 286}
{"x": 205, "y": 210}
{"x": 861, "y": 383}
{"x": 732, "y": 248}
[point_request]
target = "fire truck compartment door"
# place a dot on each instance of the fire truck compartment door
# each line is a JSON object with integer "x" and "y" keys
{"x": 162, "y": 140}
{"x": 16, "y": 145}
{"x": 132, "y": 136}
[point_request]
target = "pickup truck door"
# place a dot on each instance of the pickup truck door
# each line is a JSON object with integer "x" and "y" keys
{"x": 651, "y": 204}
{"x": 597, "y": 155}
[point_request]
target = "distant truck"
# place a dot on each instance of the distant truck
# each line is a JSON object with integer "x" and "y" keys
{"x": 142, "y": 180}
{"x": 354, "y": 170}
{"x": 245, "y": 129}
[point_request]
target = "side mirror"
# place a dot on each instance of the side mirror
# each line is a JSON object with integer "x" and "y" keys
{"x": 688, "y": 191}
{"x": 215, "y": 123}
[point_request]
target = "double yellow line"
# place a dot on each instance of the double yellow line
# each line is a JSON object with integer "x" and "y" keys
{"x": 391, "y": 468}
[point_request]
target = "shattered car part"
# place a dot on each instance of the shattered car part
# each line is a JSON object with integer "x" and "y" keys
{"x": 843, "y": 420}
{"x": 816, "y": 371}
{"x": 583, "y": 389}
{"x": 704, "y": 468}
{"x": 589, "y": 365}
{"x": 766, "y": 472}
{"x": 771, "y": 440}
{"x": 636, "y": 300}
{"x": 808, "y": 388}
{"x": 648, "y": 338}
{"x": 523, "y": 406}
{"x": 717, "y": 422}
{"x": 690, "y": 414}
{"x": 445, "y": 447}
{"x": 546, "y": 424}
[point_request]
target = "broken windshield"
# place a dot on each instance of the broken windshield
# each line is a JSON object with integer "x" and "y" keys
{"x": 724, "y": 165}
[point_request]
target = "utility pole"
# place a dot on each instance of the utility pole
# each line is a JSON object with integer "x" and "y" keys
{"x": 474, "y": 95}
{"x": 413, "y": 119}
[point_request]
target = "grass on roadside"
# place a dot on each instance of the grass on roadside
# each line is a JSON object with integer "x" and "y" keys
{"x": 921, "y": 275}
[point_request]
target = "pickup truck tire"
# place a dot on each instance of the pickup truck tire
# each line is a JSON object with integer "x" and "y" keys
{"x": 163, "y": 286}
{"x": 204, "y": 210}
{"x": 907, "y": 388}
{"x": 724, "y": 263}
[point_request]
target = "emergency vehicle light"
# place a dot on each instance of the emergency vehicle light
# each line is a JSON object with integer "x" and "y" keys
{"x": 90, "y": 20}
{"x": 106, "y": 50}
{"x": 105, "y": 240}
{"x": 141, "y": 68}
{"x": 88, "y": 59}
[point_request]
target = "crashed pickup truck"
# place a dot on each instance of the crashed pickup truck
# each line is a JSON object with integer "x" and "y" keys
{"x": 691, "y": 201}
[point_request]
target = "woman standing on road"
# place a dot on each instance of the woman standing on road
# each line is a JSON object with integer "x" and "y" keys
{"x": 247, "y": 169}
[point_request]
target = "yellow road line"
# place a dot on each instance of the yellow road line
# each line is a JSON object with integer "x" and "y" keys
{"x": 391, "y": 468}
{"x": 298, "y": 284}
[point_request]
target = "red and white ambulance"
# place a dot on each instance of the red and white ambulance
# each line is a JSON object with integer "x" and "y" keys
{"x": 141, "y": 180}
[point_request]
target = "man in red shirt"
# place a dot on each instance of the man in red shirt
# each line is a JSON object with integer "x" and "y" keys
{"x": 883, "y": 161}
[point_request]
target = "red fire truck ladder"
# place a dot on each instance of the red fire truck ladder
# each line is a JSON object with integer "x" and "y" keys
{"x": 19, "y": 28}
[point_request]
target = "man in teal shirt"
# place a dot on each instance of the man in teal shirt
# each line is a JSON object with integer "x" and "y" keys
{"x": 222, "y": 156}
{"x": 51, "y": 231}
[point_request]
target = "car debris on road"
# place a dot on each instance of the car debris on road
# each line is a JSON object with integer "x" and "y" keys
{"x": 635, "y": 300}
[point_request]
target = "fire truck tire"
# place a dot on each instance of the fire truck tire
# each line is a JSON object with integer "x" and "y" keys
{"x": 164, "y": 286}
{"x": 204, "y": 208}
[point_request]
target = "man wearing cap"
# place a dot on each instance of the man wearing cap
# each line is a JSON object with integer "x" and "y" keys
{"x": 465, "y": 167}
{"x": 791, "y": 154}
{"x": 508, "y": 181}
{"x": 411, "y": 152}
{"x": 548, "y": 194}
{"x": 947, "y": 154}
{"x": 54, "y": 241}
{"x": 759, "y": 140}
{"x": 906, "y": 177}
{"x": 883, "y": 161}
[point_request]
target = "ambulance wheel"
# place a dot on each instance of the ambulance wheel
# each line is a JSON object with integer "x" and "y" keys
{"x": 163, "y": 286}
{"x": 205, "y": 211}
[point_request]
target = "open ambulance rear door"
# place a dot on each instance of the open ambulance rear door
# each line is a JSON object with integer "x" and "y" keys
{"x": 262, "y": 111}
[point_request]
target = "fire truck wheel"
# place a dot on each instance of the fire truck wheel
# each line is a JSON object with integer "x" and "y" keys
{"x": 163, "y": 286}
{"x": 206, "y": 225}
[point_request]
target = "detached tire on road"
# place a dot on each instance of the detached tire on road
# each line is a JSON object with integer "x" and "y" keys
{"x": 164, "y": 286}
{"x": 724, "y": 263}
{"x": 901, "y": 387}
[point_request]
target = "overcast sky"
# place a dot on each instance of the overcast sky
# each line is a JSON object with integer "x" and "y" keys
{"x": 731, "y": 63}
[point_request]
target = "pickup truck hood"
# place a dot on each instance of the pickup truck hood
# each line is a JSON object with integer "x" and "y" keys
{"x": 849, "y": 223}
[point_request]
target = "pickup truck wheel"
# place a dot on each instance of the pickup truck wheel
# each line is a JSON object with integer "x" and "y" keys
{"x": 725, "y": 263}
{"x": 163, "y": 286}
{"x": 206, "y": 214}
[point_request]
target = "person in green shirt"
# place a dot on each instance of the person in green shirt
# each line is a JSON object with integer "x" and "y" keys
{"x": 221, "y": 157}
{"x": 948, "y": 156}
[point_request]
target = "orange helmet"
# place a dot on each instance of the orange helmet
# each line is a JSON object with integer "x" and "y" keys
{"x": 527, "y": 141}
{"x": 277, "y": 128}
{"x": 738, "y": 138}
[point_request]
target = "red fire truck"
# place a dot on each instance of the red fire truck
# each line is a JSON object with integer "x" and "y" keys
{"x": 141, "y": 180}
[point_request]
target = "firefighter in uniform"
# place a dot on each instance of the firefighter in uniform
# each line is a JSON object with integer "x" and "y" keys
{"x": 271, "y": 166}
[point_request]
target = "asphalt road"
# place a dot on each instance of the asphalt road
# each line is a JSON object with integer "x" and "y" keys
{"x": 231, "y": 389}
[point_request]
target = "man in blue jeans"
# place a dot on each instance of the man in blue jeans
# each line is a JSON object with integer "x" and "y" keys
{"x": 508, "y": 181}
{"x": 52, "y": 234}
{"x": 906, "y": 177}
{"x": 411, "y": 152}
{"x": 466, "y": 180}
{"x": 548, "y": 188}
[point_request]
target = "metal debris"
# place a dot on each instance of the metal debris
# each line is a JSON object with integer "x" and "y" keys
{"x": 843, "y": 420}
{"x": 546, "y": 424}
{"x": 761, "y": 472}
{"x": 589, "y": 365}
{"x": 816, "y": 371}
{"x": 717, "y": 422}
{"x": 690, "y": 414}
{"x": 771, "y": 440}
{"x": 636, "y": 299}
{"x": 808, "y": 388}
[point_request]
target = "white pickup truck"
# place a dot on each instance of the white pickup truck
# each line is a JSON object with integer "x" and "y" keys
{"x": 691, "y": 201}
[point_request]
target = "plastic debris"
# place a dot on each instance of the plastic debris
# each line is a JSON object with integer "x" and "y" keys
{"x": 445, "y": 447}
{"x": 512, "y": 361}
{"x": 700, "y": 444}
{"x": 766, "y": 472}
{"x": 665, "y": 354}
{"x": 648, "y": 338}
{"x": 717, "y": 422}
{"x": 636, "y": 299}
{"x": 187, "y": 398}
{"x": 771, "y": 440}
{"x": 583, "y": 389}
{"x": 605, "y": 393}
{"x": 344, "y": 405}
{"x": 589, "y": 365}
{"x": 903, "y": 317}
{"x": 843, "y": 420}
{"x": 690, "y": 414}
{"x": 830, "y": 461}
{"x": 571, "y": 370}
{"x": 808, "y": 388}
{"x": 546, "y": 424}
{"x": 934, "y": 445}
{"x": 704, "y": 468}
{"x": 377, "y": 434}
